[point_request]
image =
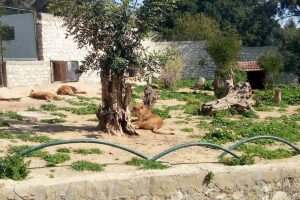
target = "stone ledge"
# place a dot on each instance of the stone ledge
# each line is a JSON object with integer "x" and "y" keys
{"x": 264, "y": 181}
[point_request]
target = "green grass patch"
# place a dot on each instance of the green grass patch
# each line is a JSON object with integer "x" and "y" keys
{"x": 13, "y": 167}
{"x": 219, "y": 136}
{"x": 63, "y": 150}
{"x": 4, "y": 124}
{"x": 32, "y": 109}
{"x": 50, "y": 107}
{"x": 87, "y": 166}
{"x": 88, "y": 151}
{"x": 261, "y": 151}
{"x": 144, "y": 164}
{"x": 290, "y": 95}
{"x": 163, "y": 113}
{"x": 242, "y": 160}
{"x": 188, "y": 130}
{"x": 60, "y": 114}
{"x": 33, "y": 138}
{"x": 11, "y": 115}
{"x": 57, "y": 158}
{"x": 19, "y": 149}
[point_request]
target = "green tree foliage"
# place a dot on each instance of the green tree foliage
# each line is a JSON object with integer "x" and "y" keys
{"x": 290, "y": 48}
{"x": 113, "y": 31}
{"x": 254, "y": 19}
{"x": 289, "y": 8}
{"x": 224, "y": 49}
{"x": 194, "y": 27}
{"x": 271, "y": 63}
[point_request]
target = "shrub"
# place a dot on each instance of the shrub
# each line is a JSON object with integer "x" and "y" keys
{"x": 170, "y": 75}
{"x": 13, "y": 167}
{"x": 271, "y": 63}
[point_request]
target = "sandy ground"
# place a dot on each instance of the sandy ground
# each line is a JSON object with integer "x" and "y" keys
{"x": 78, "y": 127}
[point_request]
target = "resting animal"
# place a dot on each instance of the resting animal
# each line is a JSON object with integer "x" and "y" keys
{"x": 147, "y": 120}
{"x": 48, "y": 96}
{"x": 68, "y": 90}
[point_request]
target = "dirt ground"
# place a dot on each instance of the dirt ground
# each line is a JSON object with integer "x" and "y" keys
{"x": 78, "y": 127}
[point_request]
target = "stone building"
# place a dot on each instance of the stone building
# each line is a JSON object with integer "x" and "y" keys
{"x": 39, "y": 53}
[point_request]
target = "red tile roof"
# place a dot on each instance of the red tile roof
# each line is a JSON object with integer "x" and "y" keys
{"x": 249, "y": 66}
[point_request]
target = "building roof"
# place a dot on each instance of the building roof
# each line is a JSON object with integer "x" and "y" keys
{"x": 249, "y": 66}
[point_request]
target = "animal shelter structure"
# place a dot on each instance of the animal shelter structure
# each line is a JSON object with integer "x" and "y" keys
{"x": 39, "y": 53}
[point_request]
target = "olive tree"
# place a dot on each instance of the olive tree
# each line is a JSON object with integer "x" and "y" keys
{"x": 224, "y": 50}
{"x": 113, "y": 31}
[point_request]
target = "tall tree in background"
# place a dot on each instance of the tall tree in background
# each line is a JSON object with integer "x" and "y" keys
{"x": 289, "y": 8}
{"x": 254, "y": 19}
{"x": 113, "y": 30}
{"x": 4, "y": 31}
{"x": 290, "y": 48}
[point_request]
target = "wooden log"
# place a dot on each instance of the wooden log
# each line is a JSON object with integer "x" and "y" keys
{"x": 238, "y": 97}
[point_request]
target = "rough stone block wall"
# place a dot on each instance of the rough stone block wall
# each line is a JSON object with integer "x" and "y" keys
{"x": 53, "y": 44}
{"x": 194, "y": 53}
{"x": 27, "y": 73}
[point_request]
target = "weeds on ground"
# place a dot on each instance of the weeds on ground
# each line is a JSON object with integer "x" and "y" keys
{"x": 11, "y": 115}
{"x": 145, "y": 164}
{"x": 188, "y": 130}
{"x": 4, "y": 124}
{"x": 13, "y": 167}
{"x": 54, "y": 159}
{"x": 87, "y": 166}
{"x": 88, "y": 151}
{"x": 242, "y": 160}
{"x": 63, "y": 150}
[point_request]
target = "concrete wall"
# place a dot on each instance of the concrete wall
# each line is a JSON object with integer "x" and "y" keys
{"x": 23, "y": 47}
{"x": 277, "y": 181}
{"x": 27, "y": 73}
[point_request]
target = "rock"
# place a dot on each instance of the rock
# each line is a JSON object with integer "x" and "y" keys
{"x": 237, "y": 195}
{"x": 280, "y": 196}
{"x": 37, "y": 116}
{"x": 200, "y": 82}
{"x": 9, "y": 95}
{"x": 221, "y": 196}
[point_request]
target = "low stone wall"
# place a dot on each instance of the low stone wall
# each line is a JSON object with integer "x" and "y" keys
{"x": 27, "y": 73}
{"x": 257, "y": 182}
{"x": 31, "y": 73}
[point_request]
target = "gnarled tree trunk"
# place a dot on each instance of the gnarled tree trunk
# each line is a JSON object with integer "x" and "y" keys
{"x": 238, "y": 97}
{"x": 150, "y": 96}
{"x": 219, "y": 84}
{"x": 114, "y": 114}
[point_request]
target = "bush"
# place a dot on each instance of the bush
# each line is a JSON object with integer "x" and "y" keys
{"x": 170, "y": 75}
{"x": 271, "y": 63}
{"x": 13, "y": 167}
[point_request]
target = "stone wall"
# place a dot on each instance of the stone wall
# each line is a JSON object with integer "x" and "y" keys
{"x": 27, "y": 73}
{"x": 196, "y": 59}
{"x": 277, "y": 181}
{"x": 52, "y": 41}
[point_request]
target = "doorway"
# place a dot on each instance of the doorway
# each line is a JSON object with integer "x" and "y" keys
{"x": 256, "y": 79}
{"x": 64, "y": 71}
